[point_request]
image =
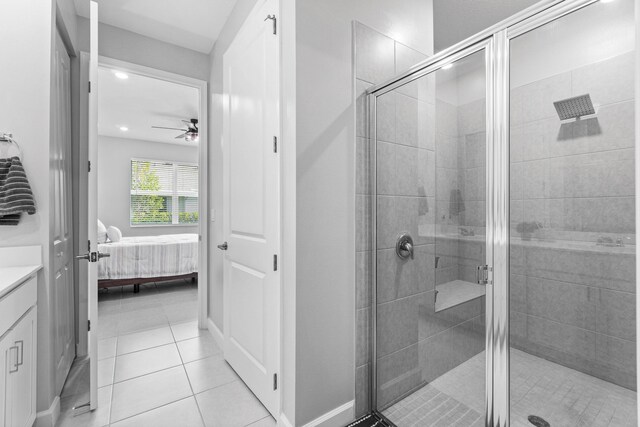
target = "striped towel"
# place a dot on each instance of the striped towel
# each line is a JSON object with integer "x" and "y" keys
{"x": 15, "y": 192}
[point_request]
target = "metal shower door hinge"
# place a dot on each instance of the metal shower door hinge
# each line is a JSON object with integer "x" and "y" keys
{"x": 482, "y": 275}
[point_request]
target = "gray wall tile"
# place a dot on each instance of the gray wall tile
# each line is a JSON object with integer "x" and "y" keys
{"x": 375, "y": 55}
{"x": 363, "y": 279}
{"x": 398, "y": 373}
{"x": 363, "y": 326}
{"x": 616, "y": 314}
{"x": 397, "y": 324}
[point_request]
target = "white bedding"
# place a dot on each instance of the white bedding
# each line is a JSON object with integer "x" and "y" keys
{"x": 149, "y": 256}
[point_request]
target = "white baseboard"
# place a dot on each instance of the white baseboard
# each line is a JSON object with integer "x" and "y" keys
{"x": 217, "y": 334}
{"x": 284, "y": 421}
{"x": 49, "y": 417}
{"x": 338, "y": 417}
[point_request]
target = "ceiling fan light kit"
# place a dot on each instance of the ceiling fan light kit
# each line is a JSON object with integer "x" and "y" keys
{"x": 190, "y": 134}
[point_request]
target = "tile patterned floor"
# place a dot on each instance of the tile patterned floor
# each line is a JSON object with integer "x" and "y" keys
{"x": 562, "y": 396}
{"x": 156, "y": 368}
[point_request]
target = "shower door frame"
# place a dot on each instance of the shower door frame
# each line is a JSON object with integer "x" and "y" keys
{"x": 495, "y": 41}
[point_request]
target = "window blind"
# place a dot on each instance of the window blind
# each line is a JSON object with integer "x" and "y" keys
{"x": 163, "y": 193}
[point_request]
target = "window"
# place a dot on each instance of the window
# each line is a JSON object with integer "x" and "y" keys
{"x": 163, "y": 193}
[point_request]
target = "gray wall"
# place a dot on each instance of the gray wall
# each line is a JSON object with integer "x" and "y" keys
{"x": 574, "y": 302}
{"x": 114, "y": 179}
{"x": 326, "y": 186}
{"x": 124, "y": 45}
{"x": 25, "y": 110}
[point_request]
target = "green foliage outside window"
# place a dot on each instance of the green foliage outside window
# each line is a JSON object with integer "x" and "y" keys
{"x": 148, "y": 208}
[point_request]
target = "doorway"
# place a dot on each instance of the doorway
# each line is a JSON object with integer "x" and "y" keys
{"x": 151, "y": 187}
{"x": 503, "y": 287}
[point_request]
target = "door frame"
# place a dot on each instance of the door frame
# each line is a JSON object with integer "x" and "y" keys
{"x": 496, "y": 39}
{"x": 203, "y": 165}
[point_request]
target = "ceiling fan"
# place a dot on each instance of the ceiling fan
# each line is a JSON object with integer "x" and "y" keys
{"x": 190, "y": 134}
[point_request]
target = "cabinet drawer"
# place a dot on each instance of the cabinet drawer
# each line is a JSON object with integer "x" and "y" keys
{"x": 17, "y": 303}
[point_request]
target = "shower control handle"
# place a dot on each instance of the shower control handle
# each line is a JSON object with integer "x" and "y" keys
{"x": 404, "y": 246}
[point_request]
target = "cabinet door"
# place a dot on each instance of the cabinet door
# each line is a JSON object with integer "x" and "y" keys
{"x": 7, "y": 362}
{"x": 22, "y": 382}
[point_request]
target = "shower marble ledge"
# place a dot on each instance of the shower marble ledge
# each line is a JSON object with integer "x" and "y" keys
{"x": 569, "y": 245}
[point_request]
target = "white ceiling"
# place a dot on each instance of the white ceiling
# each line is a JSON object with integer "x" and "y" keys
{"x": 193, "y": 24}
{"x": 455, "y": 20}
{"x": 140, "y": 102}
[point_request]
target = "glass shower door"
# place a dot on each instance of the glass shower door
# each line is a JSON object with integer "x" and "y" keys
{"x": 572, "y": 239}
{"x": 430, "y": 217}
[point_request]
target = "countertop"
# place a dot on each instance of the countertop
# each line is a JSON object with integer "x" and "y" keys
{"x": 11, "y": 277}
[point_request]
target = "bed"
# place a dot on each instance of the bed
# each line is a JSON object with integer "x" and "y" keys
{"x": 139, "y": 260}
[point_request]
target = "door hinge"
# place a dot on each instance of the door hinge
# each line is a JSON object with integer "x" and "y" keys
{"x": 88, "y": 325}
{"x": 482, "y": 275}
{"x": 89, "y": 87}
{"x": 275, "y": 144}
{"x": 275, "y": 21}
{"x": 275, "y": 263}
{"x": 89, "y": 166}
{"x": 275, "y": 381}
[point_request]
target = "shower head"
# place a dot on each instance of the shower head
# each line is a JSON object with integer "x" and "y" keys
{"x": 572, "y": 108}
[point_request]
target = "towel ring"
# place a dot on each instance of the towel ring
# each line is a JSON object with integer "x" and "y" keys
{"x": 8, "y": 137}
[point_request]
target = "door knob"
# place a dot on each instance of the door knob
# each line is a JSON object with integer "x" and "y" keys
{"x": 92, "y": 256}
{"x": 223, "y": 247}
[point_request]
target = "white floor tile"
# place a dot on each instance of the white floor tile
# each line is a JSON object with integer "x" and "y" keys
{"x": 265, "y": 422}
{"x": 105, "y": 371}
{"x": 230, "y": 405}
{"x": 78, "y": 379}
{"x": 185, "y": 331}
{"x": 148, "y": 392}
{"x": 198, "y": 348}
{"x": 183, "y": 413}
{"x": 205, "y": 374}
{"x": 107, "y": 348}
{"x": 144, "y": 340}
{"x": 97, "y": 418}
{"x": 144, "y": 362}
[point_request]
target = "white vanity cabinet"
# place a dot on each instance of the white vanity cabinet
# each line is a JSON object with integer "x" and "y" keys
{"x": 18, "y": 358}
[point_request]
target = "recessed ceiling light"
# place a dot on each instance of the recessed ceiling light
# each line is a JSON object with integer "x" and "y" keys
{"x": 448, "y": 66}
{"x": 121, "y": 75}
{"x": 124, "y": 128}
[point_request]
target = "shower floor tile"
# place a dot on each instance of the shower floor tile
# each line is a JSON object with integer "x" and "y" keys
{"x": 562, "y": 396}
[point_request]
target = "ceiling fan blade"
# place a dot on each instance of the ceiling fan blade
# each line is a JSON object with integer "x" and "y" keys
{"x": 162, "y": 127}
{"x": 181, "y": 136}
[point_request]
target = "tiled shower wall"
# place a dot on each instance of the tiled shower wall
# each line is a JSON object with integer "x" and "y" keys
{"x": 377, "y": 58}
{"x": 460, "y": 166}
{"x": 572, "y": 301}
{"x": 415, "y": 345}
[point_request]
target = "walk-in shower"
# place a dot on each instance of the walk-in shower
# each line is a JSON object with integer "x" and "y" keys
{"x": 502, "y": 212}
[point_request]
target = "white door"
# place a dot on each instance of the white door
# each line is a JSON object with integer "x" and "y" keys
{"x": 251, "y": 204}
{"x": 92, "y": 209}
{"x": 61, "y": 231}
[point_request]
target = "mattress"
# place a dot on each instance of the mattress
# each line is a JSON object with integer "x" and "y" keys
{"x": 149, "y": 256}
